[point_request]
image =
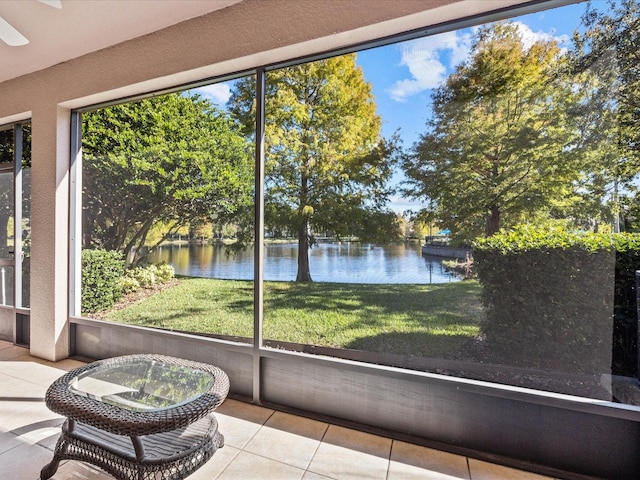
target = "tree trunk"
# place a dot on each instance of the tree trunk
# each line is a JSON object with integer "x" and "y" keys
{"x": 304, "y": 274}
{"x": 493, "y": 222}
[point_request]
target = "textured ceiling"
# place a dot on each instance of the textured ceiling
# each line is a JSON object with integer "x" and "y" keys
{"x": 60, "y": 30}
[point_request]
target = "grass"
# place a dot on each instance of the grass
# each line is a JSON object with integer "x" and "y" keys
{"x": 423, "y": 320}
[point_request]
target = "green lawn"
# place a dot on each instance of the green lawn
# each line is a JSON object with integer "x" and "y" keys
{"x": 424, "y": 320}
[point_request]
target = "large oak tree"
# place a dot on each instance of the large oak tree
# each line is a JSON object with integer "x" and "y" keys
{"x": 498, "y": 146}
{"x": 327, "y": 167}
{"x": 170, "y": 160}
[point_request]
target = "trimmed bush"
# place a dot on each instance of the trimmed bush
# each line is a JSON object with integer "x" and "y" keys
{"x": 144, "y": 275}
{"x": 164, "y": 272}
{"x": 150, "y": 275}
{"x": 129, "y": 284}
{"x": 102, "y": 273}
{"x": 625, "y": 326}
{"x": 549, "y": 298}
{"x": 104, "y": 279}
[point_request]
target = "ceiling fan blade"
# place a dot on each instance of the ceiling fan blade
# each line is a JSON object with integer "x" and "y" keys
{"x": 52, "y": 3}
{"x": 10, "y": 35}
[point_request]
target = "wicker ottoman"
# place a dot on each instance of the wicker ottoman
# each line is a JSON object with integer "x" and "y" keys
{"x": 139, "y": 417}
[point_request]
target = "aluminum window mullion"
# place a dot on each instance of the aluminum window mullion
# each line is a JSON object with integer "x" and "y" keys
{"x": 75, "y": 215}
{"x": 258, "y": 277}
{"x": 17, "y": 217}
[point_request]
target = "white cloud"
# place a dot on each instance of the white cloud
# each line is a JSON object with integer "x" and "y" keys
{"x": 529, "y": 37}
{"x": 218, "y": 93}
{"x": 423, "y": 59}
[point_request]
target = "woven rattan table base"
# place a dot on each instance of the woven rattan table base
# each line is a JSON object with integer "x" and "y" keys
{"x": 167, "y": 456}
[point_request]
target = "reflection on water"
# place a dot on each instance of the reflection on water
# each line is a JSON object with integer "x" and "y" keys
{"x": 341, "y": 262}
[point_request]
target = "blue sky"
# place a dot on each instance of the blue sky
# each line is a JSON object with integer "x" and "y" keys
{"x": 404, "y": 75}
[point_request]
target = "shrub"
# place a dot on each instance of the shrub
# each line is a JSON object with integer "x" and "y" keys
{"x": 549, "y": 298}
{"x": 129, "y": 284}
{"x": 625, "y": 325}
{"x": 102, "y": 273}
{"x": 147, "y": 276}
{"x": 144, "y": 275}
{"x": 526, "y": 238}
{"x": 164, "y": 272}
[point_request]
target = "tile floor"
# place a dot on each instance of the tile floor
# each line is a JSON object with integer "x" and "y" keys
{"x": 260, "y": 443}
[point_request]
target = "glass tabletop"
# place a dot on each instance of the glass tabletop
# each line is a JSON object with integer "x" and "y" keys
{"x": 142, "y": 385}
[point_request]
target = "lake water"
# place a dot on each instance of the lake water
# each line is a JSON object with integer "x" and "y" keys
{"x": 341, "y": 262}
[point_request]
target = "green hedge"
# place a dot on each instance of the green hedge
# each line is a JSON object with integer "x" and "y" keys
{"x": 551, "y": 297}
{"x": 102, "y": 273}
{"x": 625, "y": 326}
{"x": 105, "y": 280}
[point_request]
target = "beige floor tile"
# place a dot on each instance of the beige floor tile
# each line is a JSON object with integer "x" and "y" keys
{"x": 216, "y": 465}
{"x": 32, "y": 371}
{"x": 15, "y": 417}
{"x": 239, "y": 421}
{"x": 18, "y": 389}
{"x": 8, "y": 441}
{"x": 488, "y": 471}
{"x": 24, "y": 462}
{"x": 348, "y": 454}
{"x": 314, "y": 476}
{"x": 14, "y": 413}
{"x": 410, "y": 461}
{"x": 45, "y": 432}
{"x": 288, "y": 439}
{"x": 360, "y": 441}
{"x": 71, "y": 470}
{"x": 247, "y": 466}
{"x": 12, "y": 352}
{"x": 66, "y": 365}
{"x": 51, "y": 440}
{"x": 246, "y": 411}
{"x": 34, "y": 417}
